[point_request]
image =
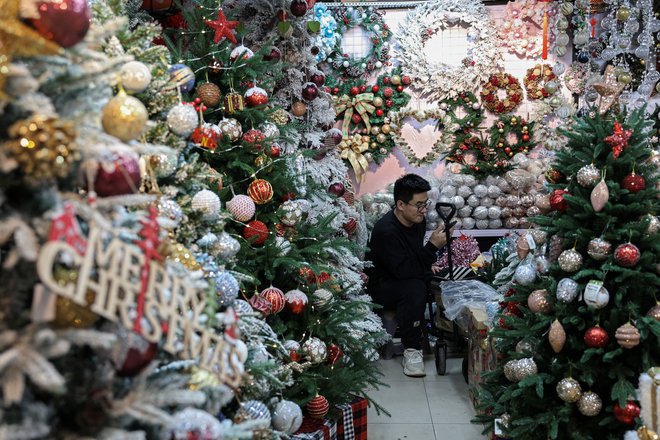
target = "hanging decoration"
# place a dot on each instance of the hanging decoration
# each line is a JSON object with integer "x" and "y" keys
{"x": 540, "y": 82}
{"x": 520, "y": 29}
{"x": 441, "y": 80}
{"x": 512, "y": 88}
{"x": 511, "y": 135}
{"x": 344, "y": 19}
{"x": 618, "y": 140}
{"x": 439, "y": 147}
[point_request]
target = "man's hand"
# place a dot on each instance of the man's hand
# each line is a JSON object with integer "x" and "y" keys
{"x": 438, "y": 237}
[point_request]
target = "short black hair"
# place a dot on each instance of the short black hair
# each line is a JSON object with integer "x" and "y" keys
{"x": 407, "y": 186}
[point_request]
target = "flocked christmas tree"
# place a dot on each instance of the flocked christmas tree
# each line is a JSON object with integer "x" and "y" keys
{"x": 573, "y": 339}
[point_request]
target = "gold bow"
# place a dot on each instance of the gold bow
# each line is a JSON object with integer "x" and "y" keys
{"x": 360, "y": 103}
{"x": 645, "y": 433}
{"x": 351, "y": 149}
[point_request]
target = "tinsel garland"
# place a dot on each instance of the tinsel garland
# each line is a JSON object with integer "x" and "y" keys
{"x": 464, "y": 251}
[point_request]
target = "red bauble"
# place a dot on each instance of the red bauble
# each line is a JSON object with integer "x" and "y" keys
{"x": 350, "y": 226}
{"x": 255, "y": 96}
{"x": 254, "y": 139}
{"x": 354, "y": 90}
{"x": 275, "y": 151}
{"x": 65, "y": 21}
{"x": 335, "y": 90}
{"x": 261, "y": 191}
{"x": 323, "y": 277}
{"x": 308, "y": 274}
{"x": 288, "y": 196}
{"x": 525, "y": 137}
{"x": 628, "y": 413}
{"x": 298, "y": 8}
{"x": 337, "y": 189}
{"x": 633, "y": 183}
{"x": 388, "y": 103}
{"x": 596, "y": 337}
{"x": 356, "y": 118}
{"x": 379, "y": 112}
{"x": 296, "y": 301}
{"x": 310, "y": 91}
{"x": 627, "y": 255}
{"x": 132, "y": 353}
{"x": 317, "y": 78}
{"x": 282, "y": 15}
{"x": 294, "y": 356}
{"x": 120, "y": 175}
{"x": 386, "y": 80}
{"x": 557, "y": 201}
{"x": 405, "y": 79}
{"x": 310, "y": 4}
{"x": 388, "y": 92}
{"x": 275, "y": 297}
{"x": 363, "y": 88}
{"x": 318, "y": 407}
{"x": 375, "y": 89}
{"x": 256, "y": 230}
{"x": 335, "y": 354}
{"x": 157, "y": 5}
{"x": 274, "y": 55}
{"x": 399, "y": 88}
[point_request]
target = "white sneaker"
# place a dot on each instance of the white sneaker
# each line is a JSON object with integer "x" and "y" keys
{"x": 413, "y": 363}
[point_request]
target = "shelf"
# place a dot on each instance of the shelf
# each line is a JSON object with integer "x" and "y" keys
{"x": 486, "y": 232}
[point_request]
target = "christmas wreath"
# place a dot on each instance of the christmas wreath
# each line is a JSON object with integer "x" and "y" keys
{"x": 469, "y": 104}
{"x": 440, "y": 80}
{"x": 473, "y": 156}
{"x": 536, "y": 82}
{"x": 342, "y": 19}
{"x": 442, "y": 145}
{"x": 512, "y": 135}
{"x": 512, "y": 88}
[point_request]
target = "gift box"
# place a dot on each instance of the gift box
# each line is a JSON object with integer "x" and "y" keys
{"x": 317, "y": 429}
{"x": 482, "y": 357}
{"x": 352, "y": 420}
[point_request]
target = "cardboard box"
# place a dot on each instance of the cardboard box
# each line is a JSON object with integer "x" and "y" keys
{"x": 352, "y": 420}
{"x": 316, "y": 429}
{"x": 481, "y": 354}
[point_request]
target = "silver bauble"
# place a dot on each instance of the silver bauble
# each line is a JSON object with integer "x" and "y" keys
{"x": 170, "y": 210}
{"x": 182, "y": 119}
{"x": 480, "y": 191}
{"x": 227, "y": 246}
{"x": 242, "y": 307}
{"x": 231, "y": 128}
{"x": 590, "y": 404}
{"x": 653, "y": 224}
{"x": 524, "y": 347}
{"x": 588, "y": 176}
{"x": 226, "y": 288}
{"x": 480, "y": 213}
{"x": 569, "y": 390}
{"x": 287, "y": 417}
{"x": 283, "y": 246}
{"x": 599, "y": 249}
{"x": 163, "y": 164}
{"x": 315, "y": 350}
{"x": 567, "y": 290}
{"x": 527, "y": 367}
{"x": 570, "y": 260}
{"x": 525, "y": 274}
{"x": 542, "y": 264}
{"x": 256, "y": 410}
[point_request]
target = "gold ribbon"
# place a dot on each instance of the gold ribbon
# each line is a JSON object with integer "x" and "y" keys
{"x": 360, "y": 103}
{"x": 351, "y": 149}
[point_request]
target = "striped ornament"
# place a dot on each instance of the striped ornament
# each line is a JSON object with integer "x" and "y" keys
{"x": 275, "y": 297}
{"x": 318, "y": 407}
{"x": 260, "y": 191}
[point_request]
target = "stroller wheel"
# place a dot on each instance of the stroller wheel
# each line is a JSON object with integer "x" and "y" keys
{"x": 441, "y": 358}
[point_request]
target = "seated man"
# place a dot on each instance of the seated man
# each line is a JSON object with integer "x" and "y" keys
{"x": 402, "y": 264}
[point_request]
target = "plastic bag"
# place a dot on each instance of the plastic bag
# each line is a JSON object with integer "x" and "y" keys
{"x": 457, "y": 295}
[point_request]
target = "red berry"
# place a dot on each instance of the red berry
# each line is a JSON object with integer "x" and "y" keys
{"x": 388, "y": 103}
{"x": 354, "y": 90}
{"x": 386, "y": 80}
{"x": 363, "y": 88}
{"x": 375, "y": 89}
{"x": 335, "y": 90}
{"x": 379, "y": 112}
{"x": 399, "y": 88}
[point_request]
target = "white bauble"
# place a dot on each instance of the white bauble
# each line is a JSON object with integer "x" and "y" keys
{"x": 182, "y": 119}
{"x": 208, "y": 203}
{"x": 135, "y": 76}
{"x": 287, "y": 417}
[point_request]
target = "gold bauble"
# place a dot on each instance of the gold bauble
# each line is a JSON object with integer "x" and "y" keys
{"x": 623, "y": 13}
{"x": 299, "y": 108}
{"x": 200, "y": 378}
{"x": 386, "y": 128}
{"x": 209, "y": 94}
{"x": 124, "y": 117}
{"x": 378, "y": 101}
{"x": 262, "y": 160}
{"x": 67, "y": 313}
{"x": 381, "y": 138}
{"x": 280, "y": 117}
{"x": 395, "y": 80}
{"x": 42, "y": 146}
{"x": 375, "y": 130}
{"x": 180, "y": 254}
{"x": 365, "y": 139}
{"x": 654, "y": 312}
{"x": 373, "y": 145}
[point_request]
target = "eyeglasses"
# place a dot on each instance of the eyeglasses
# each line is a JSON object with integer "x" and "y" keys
{"x": 421, "y": 205}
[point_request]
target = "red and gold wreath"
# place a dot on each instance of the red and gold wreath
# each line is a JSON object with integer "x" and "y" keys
{"x": 536, "y": 79}
{"x": 511, "y": 86}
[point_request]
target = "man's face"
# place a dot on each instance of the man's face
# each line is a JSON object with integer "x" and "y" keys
{"x": 415, "y": 209}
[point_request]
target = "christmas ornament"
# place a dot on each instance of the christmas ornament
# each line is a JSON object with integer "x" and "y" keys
{"x": 627, "y": 336}
{"x": 254, "y": 139}
{"x": 215, "y": 66}
{"x": 256, "y": 232}
{"x": 525, "y": 274}
{"x": 317, "y": 78}
{"x": 280, "y": 117}
{"x": 275, "y": 297}
{"x": 69, "y": 314}
{"x": 557, "y": 200}
{"x": 570, "y": 260}
{"x": 654, "y": 312}
{"x": 289, "y": 213}
{"x": 310, "y": 91}
{"x": 240, "y": 51}
{"x": 275, "y": 54}
{"x": 132, "y": 353}
{"x": 653, "y": 222}
{"x": 263, "y": 307}
{"x": 590, "y": 404}
{"x": 116, "y": 175}
{"x": 298, "y": 8}
{"x": 283, "y": 246}
{"x": 588, "y": 175}
{"x": 182, "y": 119}
{"x": 181, "y": 77}
{"x": 627, "y": 255}
{"x": 599, "y": 196}
{"x": 241, "y": 207}
{"x": 318, "y": 407}
{"x": 255, "y": 410}
{"x": 569, "y": 390}
{"x": 298, "y": 108}
{"x": 233, "y": 103}
{"x": 296, "y": 301}
{"x": 538, "y": 301}
{"x": 596, "y": 295}
{"x": 350, "y": 226}
{"x": 287, "y": 417}
{"x": 518, "y": 369}
{"x": 628, "y": 413}
{"x": 209, "y": 94}
{"x": 192, "y": 424}
{"x": 260, "y": 191}
{"x": 633, "y": 183}
{"x": 618, "y": 140}
{"x": 135, "y": 77}
{"x": 322, "y": 298}
{"x": 227, "y": 246}
{"x": 524, "y": 347}
{"x": 42, "y": 146}
{"x": 65, "y": 22}
{"x": 337, "y": 189}
{"x": 599, "y": 249}
{"x": 178, "y": 253}
{"x": 335, "y": 353}
{"x": 315, "y": 350}
{"x": 170, "y": 210}
{"x": 207, "y": 203}
{"x": 231, "y": 128}
{"x": 596, "y": 337}
{"x": 255, "y": 96}
{"x": 124, "y": 117}
{"x": 269, "y": 130}
{"x": 206, "y": 136}
{"x": 163, "y": 164}
{"x": 226, "y": 288}
{"x": 567, "y": 290}
{"x": 222, "y": 27}
{"x": 557, "y": 336}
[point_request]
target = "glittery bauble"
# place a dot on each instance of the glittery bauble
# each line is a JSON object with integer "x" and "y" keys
{"x": 226, "y": 288}
{"x": 590, "y": 404}
{"x": 525, "y": 274}
{"x": 596, "y": 337}
{"x": 163, "y": 164}
{"x": 242, "y": 207}
{"x": 179, "y": 254}
{"x": 227, "y": 246}
{"x": 65, "y": 22}
{"x": 255, "y": 96}
{"x": 170, "y": 210}
{"x": 275, "y": 297}
{"x": 588, "y": 176}
{"x": 596, "y": 296}
{"x": 524, "y": 347}
{"x": 567, "y": 290}
{"x": 135, "y": 76}
{"x": 570, "y": 260}
{"x": 310, "y": 91}
{"x": 557, "y": 201}
{"x": 296, "y": 301}
{"x": 231, "y": 128}
{"x": 315, "y": 350}
{"x": 117, "y": 174}
{"x": 234, "y": 103}
{"x": 289, "y": 213}
{"x": 627, "y": 336}
{"x": 511, "y": 371}
{"x": 124, "y": 117}
{"x": 132, "y": 353}
{"x": 240, "y": 51}
{"x": 599, "y": 249}
{"x": 287, "y": 417}
{"x": 627, "y": 255}
{"x": 298, "y": 108}
{"x": 538, "y": 302}
{"x": 255, "y": 410}
{"x": 254, "y": 139}
{"x": 599, "y": 196}
{"x": 569, "y": 390}
{"x": 208, "y": 203}
{"x": 260, "y": 191}
{"x": 318, "y": 407}
{"x": 280, "y": 117}
{"x": 182, "y": 119}
{"x": 322, "y": 298}
{"x": 653, "y": 224}
{"x": 256, "y": 232}
{"x": 628, "y": 413}
{"x": 654, "y": 312}
{"x": 43, "y": 147}
{"x": 181, "y": 77}
{"x": 209, "y": 94}
{"x": 633, "y": 183}
{"x": 192, "y": 424}
{"x": 68, "y": 313}
{"x": 557, "y": 336}
{"x": 517, "y": 370}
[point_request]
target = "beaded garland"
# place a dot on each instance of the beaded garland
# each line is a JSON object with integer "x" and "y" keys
{"x": 512, "y": 88}
{"x": 535, "y": 80}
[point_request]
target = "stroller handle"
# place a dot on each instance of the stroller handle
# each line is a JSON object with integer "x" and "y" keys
{"x": 445, "y": 217}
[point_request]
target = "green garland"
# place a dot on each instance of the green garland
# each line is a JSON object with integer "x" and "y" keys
{"x": 473, "y": 110}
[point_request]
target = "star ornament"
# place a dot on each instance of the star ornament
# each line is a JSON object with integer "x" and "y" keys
{"x": 223, "y": 28}
{"x": 18, "y": 40}
{"x": 618, "y": 140}
{"x": 609, "y": 89}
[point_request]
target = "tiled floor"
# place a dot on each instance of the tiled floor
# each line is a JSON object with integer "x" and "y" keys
{"x": 430, "y": 408}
